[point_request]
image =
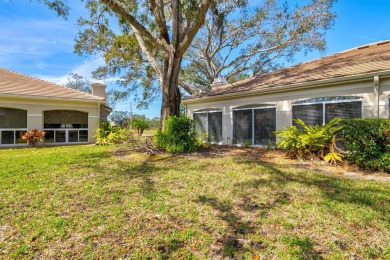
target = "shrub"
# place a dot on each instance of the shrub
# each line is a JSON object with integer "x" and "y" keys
{"x": 33, "y": 137}
{"x": 107, "y": 134}
{"x": 178, "y": 136}
{"x": 140, "y": 125}
{"x": 311, "y": 142}
{"x": 368, "y": 142}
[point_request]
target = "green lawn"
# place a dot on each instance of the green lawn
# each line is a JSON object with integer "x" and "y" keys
{"x": 96, "y": 202}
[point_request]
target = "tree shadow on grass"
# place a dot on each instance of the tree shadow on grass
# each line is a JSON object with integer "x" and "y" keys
{"x": 167, "y": 249}
{"x": 236, "y": 239}
{"x": 237, "y": 227}
{"x": 333, "y": 188}
{"x": 300, "y": 248}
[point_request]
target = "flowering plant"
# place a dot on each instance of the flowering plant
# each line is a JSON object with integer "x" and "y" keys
{"x": 33, "y": 137}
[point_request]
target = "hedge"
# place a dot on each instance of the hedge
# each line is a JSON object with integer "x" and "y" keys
{"x": 367, "y": 142}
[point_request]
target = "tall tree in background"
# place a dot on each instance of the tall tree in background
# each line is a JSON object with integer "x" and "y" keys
{"x": 120, "y": 118}
{"x": 78, "y": 82}
{"x": 254, "y": 39}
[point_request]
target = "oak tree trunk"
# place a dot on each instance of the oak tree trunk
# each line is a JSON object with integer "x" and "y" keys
{"x": 171, "y": 96}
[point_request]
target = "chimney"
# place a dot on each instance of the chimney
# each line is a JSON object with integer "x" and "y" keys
{"x": 99, "y": 88}
{"x": 219, "y": 82}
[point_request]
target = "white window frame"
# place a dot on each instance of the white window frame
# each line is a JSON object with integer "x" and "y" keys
{"x": 67, "y": 135}
{"x": 358, "y": 99}
{"x": 207, "y": 121}
{"x": 266, "y": 106}
{"x": 14, "y": 130}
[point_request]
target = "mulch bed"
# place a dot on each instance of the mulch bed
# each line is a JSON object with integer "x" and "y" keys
{"x": 280, "y": 157}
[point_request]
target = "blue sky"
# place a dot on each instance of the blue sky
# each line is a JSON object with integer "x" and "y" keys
{"x": 34, "y": 41}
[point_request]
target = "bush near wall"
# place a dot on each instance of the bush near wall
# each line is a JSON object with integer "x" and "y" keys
{"x": 311, "y": 142}
{"x": 107, "y": 134}
{"x": 178, "y": 136}
{"x": 368, "y": 142}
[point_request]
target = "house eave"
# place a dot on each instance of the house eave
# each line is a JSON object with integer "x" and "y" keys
{"x": 284, "y": 88}
{"x": 102, "y": 101}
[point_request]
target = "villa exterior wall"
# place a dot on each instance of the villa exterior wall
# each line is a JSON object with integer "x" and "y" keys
{"x": 35, "y": 111}
{"x": 375, "y": 101}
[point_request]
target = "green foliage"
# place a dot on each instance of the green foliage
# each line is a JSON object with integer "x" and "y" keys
{"x": 107, "y": 134}
{"x": 246, "y": 144}
{"x": 311, "y": 142}
{"x": 140, "y": 125}
{"x": 120, "y": 118}
{"x": 368, "y": 142}
{"x": 260, "y": 31}
{"x": 140, "y": 62}
{"x": 178, "y": 136}
{"x": 78, "y": 82}
{"x": 33, "y": 137}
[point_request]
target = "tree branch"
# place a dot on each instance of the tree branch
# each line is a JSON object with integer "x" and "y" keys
{"x": 119, "y": 9}
{"x": 189, "y": 36}
{"x": 158, "y": 11}
{"x": 175, "y": 24}
{"x": 147, "y": 53}
{"x": 186, "y": 87}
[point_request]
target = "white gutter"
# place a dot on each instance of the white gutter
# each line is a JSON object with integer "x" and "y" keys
{"x": 298, "y": 86}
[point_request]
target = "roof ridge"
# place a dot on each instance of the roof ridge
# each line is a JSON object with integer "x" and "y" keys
{"x": 51, "y": 83}
{"x": 366, "y": 46}
{"x": 310, "y": 61}
{"x": 361, "y": 60}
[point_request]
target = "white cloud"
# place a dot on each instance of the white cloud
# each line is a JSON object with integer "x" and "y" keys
{"x": 84, "y": 69}
{"x": 34, "y": 38}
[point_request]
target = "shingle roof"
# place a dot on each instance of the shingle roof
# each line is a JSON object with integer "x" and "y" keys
{"x": 16, "y": 84}
{"x": 361, "y": 60}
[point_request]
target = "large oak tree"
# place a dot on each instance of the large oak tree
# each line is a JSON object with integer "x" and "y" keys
{"x": 143, "y": 42}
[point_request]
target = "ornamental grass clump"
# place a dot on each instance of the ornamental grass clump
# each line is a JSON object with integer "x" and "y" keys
{"x": 311, "y": 142}
{"x": 33, "y": 137}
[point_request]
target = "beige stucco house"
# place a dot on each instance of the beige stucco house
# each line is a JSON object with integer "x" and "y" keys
{"x": 66, "y": 115}
{"x": 350, "y": 84}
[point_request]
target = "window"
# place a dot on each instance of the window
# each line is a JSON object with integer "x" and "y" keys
{"x": 319, "y": 111}
{"x": 13, "y": 125}
{"x": 265, "y": 125}
{"x": 254, "y": 124}
{"x": 209, "y": 124}
{"x": 242, "y": 126}
{"x": 65, "y": 126}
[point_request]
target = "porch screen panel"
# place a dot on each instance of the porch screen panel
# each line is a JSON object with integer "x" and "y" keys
{"x": 242, "y": 126}
{"x": 200, "y": 120}
{"x": 13, "y": 118}
{"x": 215, "y": 127}
{"x": 310, "y": 114}
{"x": 65, "y": 119}
{"x": 265, "y": 125}
{"x": 345, "y": 110}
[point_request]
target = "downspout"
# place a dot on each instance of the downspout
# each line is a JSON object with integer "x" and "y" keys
{"x": 376, "y": 96}
{"x": 99, "y": 111}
